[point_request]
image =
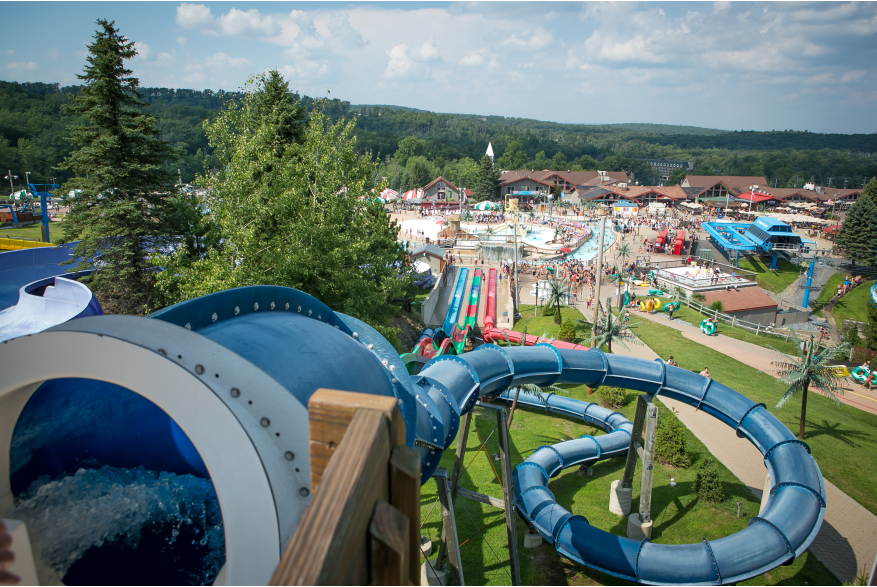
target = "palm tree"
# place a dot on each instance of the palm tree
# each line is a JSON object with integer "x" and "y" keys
{"x": 609, "y": 328}
{"x": 590, "y": 206}
{"x": 809, "y": 367}
{"x": 535, "y": 391}
{"x": 624, "y": 251}
{"x": 558, "y": 291}
{"x": 466, "y": 216}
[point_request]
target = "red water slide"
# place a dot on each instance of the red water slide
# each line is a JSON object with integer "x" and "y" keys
{"x": 493, "y": 334}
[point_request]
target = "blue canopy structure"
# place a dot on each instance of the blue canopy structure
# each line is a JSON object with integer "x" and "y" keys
{"x": 766, "y": 235}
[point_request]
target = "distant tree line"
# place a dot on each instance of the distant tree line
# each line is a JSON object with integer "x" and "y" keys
{"x": 414, "y": 144}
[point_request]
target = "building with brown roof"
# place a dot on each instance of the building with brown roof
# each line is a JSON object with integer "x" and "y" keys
{"x": 441, "y": 189}
{"x": 567, "y": 180}
{"x": 718, "y": 186}
{"x": 747, "y": 303}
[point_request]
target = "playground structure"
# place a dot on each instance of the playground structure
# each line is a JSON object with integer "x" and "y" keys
{"x": 765, "y": 236}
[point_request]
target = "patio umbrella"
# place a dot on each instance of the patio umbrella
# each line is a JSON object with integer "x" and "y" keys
{"x": 566, "y": 250}
{"x": 483, "y": 206}
{"x": 441, "y": 221}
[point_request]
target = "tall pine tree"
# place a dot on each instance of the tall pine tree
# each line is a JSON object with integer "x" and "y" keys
{"x": 488, "y": 179}
{"x": 857, "y": 236}
{"x": 117, "y": 217}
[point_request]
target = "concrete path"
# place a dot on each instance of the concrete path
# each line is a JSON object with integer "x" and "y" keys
{"x": 847, "y": 541}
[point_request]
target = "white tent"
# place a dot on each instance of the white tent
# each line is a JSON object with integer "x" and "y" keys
{"x": 413, "y": 194}
{"x": 389, "y": 194}
{"x": 656, "y": 206}
{"x": 421, "y": 266}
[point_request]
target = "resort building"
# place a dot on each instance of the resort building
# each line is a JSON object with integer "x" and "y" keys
{"x": 718, "y": 186}
{"x": 441, "y": 189}
{"x": 665, "y": 167}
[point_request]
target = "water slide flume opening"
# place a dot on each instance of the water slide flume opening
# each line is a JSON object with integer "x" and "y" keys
{"x": 234, "y": 371}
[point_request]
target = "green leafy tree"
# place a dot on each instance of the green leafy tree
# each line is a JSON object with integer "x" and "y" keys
{"x": 559, "y": 162}
{"x": 871, "y": 190}
{"x": 809, "y": 368}
{"x": 513, "y": 157}
{"x": 558, "y": 292}
{"x": 871, "y": 328}
{"x": 671, "y": 441}
{"x": 541, "y": 162}
{"x": 118, "y": 215}
{"x": 676, "y": 176}
{"x": 410, "y": 147}
{"x": 707, "y": 484}
{"x": 488, "y": 179}
{"x": 567, "y": 331}
{"x": 295, "y": 226}
{"x": 609, "y": 328}
{"x": 857, "y": 236}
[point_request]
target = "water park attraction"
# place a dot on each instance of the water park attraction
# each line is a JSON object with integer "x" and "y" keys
{"x": 188, "y": 431}
{"x": 765, "y": 236}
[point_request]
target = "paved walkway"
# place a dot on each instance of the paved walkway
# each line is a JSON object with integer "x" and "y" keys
{"x": 847, "y": 541}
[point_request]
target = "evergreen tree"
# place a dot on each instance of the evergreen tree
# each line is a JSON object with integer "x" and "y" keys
{"x": 857, "y": 236}
{"x": 119, "y": 168}
{"x": 321, "y": 239}
{"x": 559, "y": 162}
{"x": 871, "y": 328}
{"x": 871, "y": 190}
{"x": 488, "y": 179}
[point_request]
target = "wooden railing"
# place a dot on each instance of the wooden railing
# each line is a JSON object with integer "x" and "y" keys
{"x": 362, "y": 525}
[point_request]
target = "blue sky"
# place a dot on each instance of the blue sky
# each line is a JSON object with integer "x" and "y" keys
{"x": 738, "y": 65}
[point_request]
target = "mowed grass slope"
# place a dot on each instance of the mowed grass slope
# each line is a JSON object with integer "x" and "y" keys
{"x": 770, "y": 279}
{"x": 843, "y": 440}
{"x": 679, "y": 517}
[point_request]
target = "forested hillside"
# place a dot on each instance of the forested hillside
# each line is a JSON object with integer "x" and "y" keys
{"x": 416, "y": 145}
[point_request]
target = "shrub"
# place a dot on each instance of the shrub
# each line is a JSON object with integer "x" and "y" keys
{"x": 612, "y": 397}
{"x": 699, "y": 298}
{"x": 851, "y": 335}
{"x": 549, "y": 310}
{"x": 707, "y": 484}
{"x": 717, "y": 305}
{"x": 567, "y": 331}
{"x": 671, "y": 445}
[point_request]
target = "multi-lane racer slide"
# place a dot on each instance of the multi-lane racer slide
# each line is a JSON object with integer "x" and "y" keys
{"x": 216, "y": 388}
{"x": 471, "y": 314}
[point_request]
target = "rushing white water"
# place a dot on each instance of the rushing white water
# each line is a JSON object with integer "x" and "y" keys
{"x": 68, "y": 515}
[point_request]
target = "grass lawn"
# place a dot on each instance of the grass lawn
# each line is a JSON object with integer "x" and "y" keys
{"x": 694, "y": 318}
{"x": 32, "y": 232}
{"x": 843, "y": 439}
{"x": 540, "y": 324}
{"x": 679, "y": 517}
{"x": 852, "y": 306}
{"x": 775, "y": 281}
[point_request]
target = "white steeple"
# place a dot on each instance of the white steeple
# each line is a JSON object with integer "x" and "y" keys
{"x": 490, "y": 150}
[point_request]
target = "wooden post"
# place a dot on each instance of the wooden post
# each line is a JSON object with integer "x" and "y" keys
{"x": 449, "y": 526}
{"x": 365, "y": 504}
{"x": 757, "y": 328}
{"x": 645, "y": 492}
{"x": 635, "y": 435}
{"x": 510, "y": 518}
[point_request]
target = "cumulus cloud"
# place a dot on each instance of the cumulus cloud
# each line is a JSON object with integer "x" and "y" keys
{"x": 479, "y": 58}
{"x": 342, "y": 35}
{"x": 223, "y": 60}
{"x": 234, "y": 23}
{"x": 428, "y": 51}
{"x": 400, "y": 64}
{"x": 9, "y": 52}
{"x": 852, "y": 76}
{"x": 531, "y": 40}
{"x": 142, "y": 49}
{"x": 22, "y": 65}
{"x": 181, "y": 41}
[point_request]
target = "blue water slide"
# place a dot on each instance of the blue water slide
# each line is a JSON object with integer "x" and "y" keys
{"x": 783, "y": 530}
{"x": 244, "y": 362}
{"x": 456, "y": 301}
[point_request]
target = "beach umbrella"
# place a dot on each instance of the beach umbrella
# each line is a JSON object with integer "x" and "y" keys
{"x": 566, "y": 250}
{"x": 483, "y": 206}
{"x": 441, "y": 221}
{"x": 389, "y": 194}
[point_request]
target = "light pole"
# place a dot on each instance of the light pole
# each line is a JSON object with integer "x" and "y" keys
{"x": 10, "y": 177}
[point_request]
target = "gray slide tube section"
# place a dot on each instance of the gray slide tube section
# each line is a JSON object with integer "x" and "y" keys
{"x": 450, "y": 386}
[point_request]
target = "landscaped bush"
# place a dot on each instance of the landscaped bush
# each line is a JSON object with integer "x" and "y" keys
{"x": 548, "y": 310}
{"x": 707, "y": 484}
{"x": 671, "y": 442}
{"x": 717, "y": 305}
{"x": 567, "y": 331}
{"x": 611, "y": 397}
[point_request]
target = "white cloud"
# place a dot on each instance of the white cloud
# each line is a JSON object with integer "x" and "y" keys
{"x": 193, "y": 16}
{"x": 164, "y": 59}
{"x": 719, "y": 6}
{"x": 22, "y": 65}
{"x": 221, "y": 61}
{"x": 529, "y": 40}
{"x": 428, "y": 51}
{"x": 9, "y": 52}
{"x": 181, "y": 41}
{"x": 53, "y": 53}
{"x": 479, "y": 58}
{"x": 342, "y": 35}
{"x": 234, "y": 23}
{"x": 400, "y": 64}
{"x": 852, "y": 76}
{"x": 142, "y": 49}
